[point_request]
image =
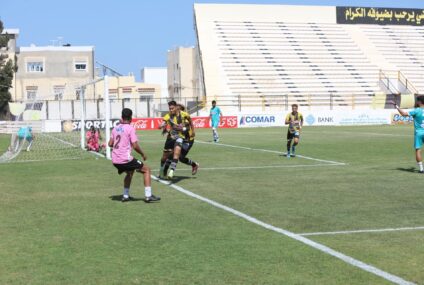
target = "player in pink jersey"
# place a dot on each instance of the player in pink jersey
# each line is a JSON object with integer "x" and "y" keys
{"x": 123, "y": 140}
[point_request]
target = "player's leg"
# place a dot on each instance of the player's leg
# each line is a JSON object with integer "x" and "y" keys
{"x": 127, "y": 184}
{"x": 289, "y": 141}
{"x": 295, "y": 143}
{"x": 176, "y": 156}
{"x": 30, "y": 140}
{"x": 418, "y": 143}
{"x": 168, "y": 162}
{"x": 149, "y": 197}
{"x": 215, "y": 131}
{"x": 184, "y": 159}
{"x": 167, "y": 150}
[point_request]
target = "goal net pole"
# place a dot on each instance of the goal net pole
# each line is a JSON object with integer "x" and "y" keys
{"x": 82, "y": 98}
{"x": 107, "y": 115}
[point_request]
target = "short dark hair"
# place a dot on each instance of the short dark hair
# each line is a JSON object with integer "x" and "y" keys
{"x": 181, "y": 106}
{"x": 213, "y": 102}
{"x": 126, "y": 114}
{"x": 420, "y": 98}
{"x": 295, "y": 105}
{"x": 172, "y": 103}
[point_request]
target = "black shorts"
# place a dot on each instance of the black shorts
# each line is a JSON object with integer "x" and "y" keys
{"x": 169, "y": 145}
{"x": 134, "y": 164}
{"x": 290, "y": 135}
{"x": 186, "y": 148}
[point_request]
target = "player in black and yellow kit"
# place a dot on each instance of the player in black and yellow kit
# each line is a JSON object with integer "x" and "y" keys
{"x": 188, "y": 135}
{"x": 187, "y": 145}
{"x": 295, "y": 122}
{"x": 176, "y": 124}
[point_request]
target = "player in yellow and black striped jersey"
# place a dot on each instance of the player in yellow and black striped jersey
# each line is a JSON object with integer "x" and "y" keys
{"x": 175, "y": 124}
{"x": 295, "y": 122}
{"x": 188, "y": 142}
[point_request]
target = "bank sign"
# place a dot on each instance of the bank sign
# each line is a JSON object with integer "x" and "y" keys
{"x": 267, "y": 120}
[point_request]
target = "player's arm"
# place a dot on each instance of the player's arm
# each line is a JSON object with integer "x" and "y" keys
{"x": 288, "y": 120}
{"x": 110, "y": 143}
{"x": 401, "y": 111}
{"x": 190, "y": 122}
{"x": 138, "y": 149}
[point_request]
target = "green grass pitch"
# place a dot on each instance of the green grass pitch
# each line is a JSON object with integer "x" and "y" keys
{"x": 61, "y": 222}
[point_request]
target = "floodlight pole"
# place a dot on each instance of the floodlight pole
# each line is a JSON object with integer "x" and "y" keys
{"x": 107, "y": 114}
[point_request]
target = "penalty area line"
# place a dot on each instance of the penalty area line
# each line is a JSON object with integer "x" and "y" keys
{"x": 258, "y": 167}
{"x": 272, "y": 151}
{"x": 347, "y": 259}
{"x": 363, "y": 231}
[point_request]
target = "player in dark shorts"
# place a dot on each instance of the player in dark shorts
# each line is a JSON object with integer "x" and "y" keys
{"x": 295, "y": 122}
{"x": 188, "y": 142}
{"x": 122, "y": 141}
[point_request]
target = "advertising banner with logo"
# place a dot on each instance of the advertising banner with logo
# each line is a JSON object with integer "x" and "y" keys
{"x": 198, "y": 122}
{"x": 74, "y": 125}
{"x": 260, "y": 120}
{"x": 348, "y": 117}
{"x": 141, "y": 124}
{"x": 398, "y": 119}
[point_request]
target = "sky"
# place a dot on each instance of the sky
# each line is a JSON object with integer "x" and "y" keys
{"x": 128, "y": 34}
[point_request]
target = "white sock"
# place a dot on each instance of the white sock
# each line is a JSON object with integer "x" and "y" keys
{"x": 148, "y": 191}
{"x": 126, "y": 192}
{"x": 420, "y": 165}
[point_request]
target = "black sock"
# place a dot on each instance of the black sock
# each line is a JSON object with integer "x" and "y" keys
{"x": 174, "y": 164}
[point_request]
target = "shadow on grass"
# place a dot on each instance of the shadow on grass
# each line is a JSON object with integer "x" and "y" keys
{"x": 410, "y": 169}
{"x": 118, "y": 198}
{"x": 177, "y": 179}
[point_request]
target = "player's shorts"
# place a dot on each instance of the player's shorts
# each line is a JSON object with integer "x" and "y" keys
{"x": 186, "y": 148}
{"x": 134, "y": 164}
{"x": 215, "y": 123}
{"x": 169, "y": 145}
{"x": 295, "y": 134}
{"x": 418, "y": 140}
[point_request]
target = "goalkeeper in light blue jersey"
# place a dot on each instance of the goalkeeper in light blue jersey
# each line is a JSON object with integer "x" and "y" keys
{"x": 418, "y": 115}
{"x": 215, "y": 116}
{"x": 25, "y": 133}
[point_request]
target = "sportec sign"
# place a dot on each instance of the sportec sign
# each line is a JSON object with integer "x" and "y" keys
{"x": 98, "y": 124}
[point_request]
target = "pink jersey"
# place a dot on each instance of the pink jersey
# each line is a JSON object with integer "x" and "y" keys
{"x": 123, "y": 137}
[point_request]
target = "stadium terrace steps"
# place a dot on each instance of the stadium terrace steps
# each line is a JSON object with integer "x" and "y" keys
{"x": 263, "y": 55}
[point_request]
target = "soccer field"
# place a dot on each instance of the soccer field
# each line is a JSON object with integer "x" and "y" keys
{"x": 249, "y": 216}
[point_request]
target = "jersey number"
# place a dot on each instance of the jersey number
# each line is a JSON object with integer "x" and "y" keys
{"x": 118, "y": 140}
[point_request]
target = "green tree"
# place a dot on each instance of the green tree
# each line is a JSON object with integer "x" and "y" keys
{"x": 7, "y": 69}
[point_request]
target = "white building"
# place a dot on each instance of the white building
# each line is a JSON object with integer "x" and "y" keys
{"x": 158, "y": 76}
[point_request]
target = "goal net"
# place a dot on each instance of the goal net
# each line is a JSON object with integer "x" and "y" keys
{"x": 53, "y": 127}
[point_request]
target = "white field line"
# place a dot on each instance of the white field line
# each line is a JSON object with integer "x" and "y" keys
{"x": 363, "y": 231}
{"x": 350, "y": 260}
{"x": 257, "y": 167}
{"x": 272, "y": 151}
{"x": 364, "y": 133}
{"x": 65, "y": 142}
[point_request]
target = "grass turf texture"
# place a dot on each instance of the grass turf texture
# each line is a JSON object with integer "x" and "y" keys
{"x": 62, "y": 221}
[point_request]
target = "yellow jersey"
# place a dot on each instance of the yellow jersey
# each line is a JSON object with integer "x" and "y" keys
{"x": 179, "y": 119}
{"x": 294, "y": 127}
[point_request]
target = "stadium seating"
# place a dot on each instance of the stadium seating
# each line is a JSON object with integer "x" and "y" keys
{"x": 294, "y": 59}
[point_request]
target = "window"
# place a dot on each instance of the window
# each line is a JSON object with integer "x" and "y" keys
{"x": 80, "y": 64}
{"x": 35, "y": 66}
{"x": 58, "y": 91}
{"x": 31, "y": 92}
